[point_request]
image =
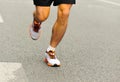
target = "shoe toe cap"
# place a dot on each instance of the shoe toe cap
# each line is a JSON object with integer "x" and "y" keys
{"x": 34, "y": 35}
{"x": 54, "y": 61}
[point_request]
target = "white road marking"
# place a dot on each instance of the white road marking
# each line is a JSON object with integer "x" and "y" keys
{"x": 10, "y": 71}
{"x": 110, "y": 2}
{"x": 1, "y": 19}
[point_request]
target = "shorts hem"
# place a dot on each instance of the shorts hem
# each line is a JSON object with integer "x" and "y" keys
{"x": 55, "y": 3}
{"x": 62, "y": 3}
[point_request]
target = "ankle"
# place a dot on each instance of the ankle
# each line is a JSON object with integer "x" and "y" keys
{"x": 50, "y": 48}
{"x": 36, "y": 25}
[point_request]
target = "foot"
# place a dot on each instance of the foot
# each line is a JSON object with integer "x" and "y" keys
{"x": 51, "y": 59}
{"x": 35, "y": 30}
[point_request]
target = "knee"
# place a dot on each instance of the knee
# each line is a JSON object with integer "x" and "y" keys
{"x": 41, "y": 16}
{"x": 65, "y": 14}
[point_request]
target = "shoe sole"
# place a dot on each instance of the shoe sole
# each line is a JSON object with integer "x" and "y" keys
{"x": 31, "y": 35}
{"x": 50, "y": 65}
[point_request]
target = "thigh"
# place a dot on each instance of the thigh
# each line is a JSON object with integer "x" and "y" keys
{"x": 42, "y": 11}
{"x": 63, "y": 7}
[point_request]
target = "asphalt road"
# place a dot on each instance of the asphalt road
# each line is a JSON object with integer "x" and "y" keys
{"x": 89, "y": 52}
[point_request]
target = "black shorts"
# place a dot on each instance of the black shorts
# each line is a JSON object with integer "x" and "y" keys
{"x": 55, "y": 2}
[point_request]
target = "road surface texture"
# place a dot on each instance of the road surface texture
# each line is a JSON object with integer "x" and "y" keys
{"x": 89, "y": 52}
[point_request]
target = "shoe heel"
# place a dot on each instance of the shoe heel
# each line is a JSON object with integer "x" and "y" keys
{"x": 45, "y": 60}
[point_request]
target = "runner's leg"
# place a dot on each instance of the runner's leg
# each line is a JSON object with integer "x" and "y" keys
{"x": 60, "y": 25}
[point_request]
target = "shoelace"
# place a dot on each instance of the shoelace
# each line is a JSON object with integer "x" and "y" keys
{"x": 51, "y": 54}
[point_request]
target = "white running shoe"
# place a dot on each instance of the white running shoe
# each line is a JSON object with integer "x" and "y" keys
{"x": 51, "y": 59}
{"x": 35, "y": 30}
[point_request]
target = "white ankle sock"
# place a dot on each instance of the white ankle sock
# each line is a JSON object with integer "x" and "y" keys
{"x": 50, "y": 48}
